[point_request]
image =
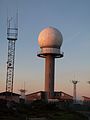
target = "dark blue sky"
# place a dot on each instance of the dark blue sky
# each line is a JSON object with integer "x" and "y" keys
{"x": 72, "y": 18}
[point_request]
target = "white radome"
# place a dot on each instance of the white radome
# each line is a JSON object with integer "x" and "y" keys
{"x": 50, "y": 37}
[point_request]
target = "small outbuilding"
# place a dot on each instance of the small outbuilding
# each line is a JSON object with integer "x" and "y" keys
{"x": 9, "y": 96}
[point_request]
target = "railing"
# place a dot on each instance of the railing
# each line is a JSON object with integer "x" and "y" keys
{"x": 50, "y": 50}
{"x": 12, "y": 33}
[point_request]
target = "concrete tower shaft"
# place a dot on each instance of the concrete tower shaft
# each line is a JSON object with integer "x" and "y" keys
{"x": 50, "y": 41}
{"x": 49, "y": 75}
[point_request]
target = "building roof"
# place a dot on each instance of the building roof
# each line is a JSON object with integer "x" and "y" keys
{"x": 86, "y": 98}
{"x": 9, "y": 94}
{"x": 35, "y": 93}
{"x": 44, "y": 92}
{"x": 66, "y": 94}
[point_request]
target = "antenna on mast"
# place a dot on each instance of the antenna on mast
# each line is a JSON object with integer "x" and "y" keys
{"x": 88, "y": 82}
{"x": 74, "y": 89}
{"x": 12, "y": 34}
{"x": 23, "y": 91}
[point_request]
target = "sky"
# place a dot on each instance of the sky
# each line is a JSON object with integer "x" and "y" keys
{"x": 72, "y": 19}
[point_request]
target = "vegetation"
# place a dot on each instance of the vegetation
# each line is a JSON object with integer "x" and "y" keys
{"x": 36, "y": 109}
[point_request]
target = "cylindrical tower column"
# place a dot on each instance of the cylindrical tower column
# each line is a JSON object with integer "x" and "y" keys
{"x": 49, "y": 75}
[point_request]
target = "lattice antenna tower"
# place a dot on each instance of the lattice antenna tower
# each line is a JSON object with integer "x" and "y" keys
{"x": 12, "y": 33}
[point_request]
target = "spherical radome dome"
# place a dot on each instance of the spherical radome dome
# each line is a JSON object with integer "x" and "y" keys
{"x": 50, "y": 37}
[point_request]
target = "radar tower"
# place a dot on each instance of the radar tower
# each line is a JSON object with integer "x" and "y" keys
{"x": 50, "y": 40}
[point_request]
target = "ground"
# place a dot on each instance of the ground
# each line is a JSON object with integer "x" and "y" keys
{"x": 40, "y": 111}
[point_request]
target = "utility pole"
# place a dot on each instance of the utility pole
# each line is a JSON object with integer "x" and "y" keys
{"x": 74, "y": 89}
{"x": 88, "y": 82}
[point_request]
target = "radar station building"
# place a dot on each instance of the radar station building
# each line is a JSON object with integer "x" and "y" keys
{"x": 41, "y": 95}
